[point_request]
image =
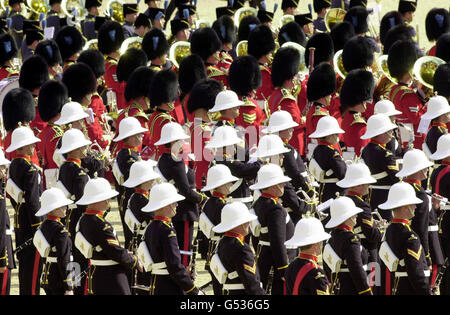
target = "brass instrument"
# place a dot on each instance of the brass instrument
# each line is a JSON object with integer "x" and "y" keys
{"x": 424, "y": 69}
{"x": 383, "y": 66}
{"x": 114, "y": 9}
{"x": 333, "y": 17}
{"x": 243, "y": 12}
{"x": 74, "y": 9}
{"x": 339, "y": 65}
{"x": 92, "y": 44}
{"x": 303, "y": 69}
{"x": 381, "y": 223}
{"x": 178, "y": 51}
{"x": 202, "y": 23}
{"x": 242, "y": 48}
{"x": 26, "y": 11}
{"x": 285, "y": 19}
{"x": 134, "y": 41}
{"x": 95, "y": 150}
{"x": 37, "y": 7}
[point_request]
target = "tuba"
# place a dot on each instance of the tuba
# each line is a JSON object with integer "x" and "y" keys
{"x": 242, "y": 48}
{"x": 285, "y": 19}
{"x": 134, "y": 41}
{"x": 37, "y": 7}
{"x": 383, "y": 66}
{"x": 424, "y": 69}
{"x": 333, "y": 17}
{"x": 26, "y": 11}
{"x": 74, "y": 10}
{"x": 202, "y": 23}
{"x": 178, "y": 51}
{"x": 243, "y": 12}
{"x": 91, "y": 44}
{"x": 303, "y": 69}
{"x": 114, "y": 9}
{"x": 339, "y": 65}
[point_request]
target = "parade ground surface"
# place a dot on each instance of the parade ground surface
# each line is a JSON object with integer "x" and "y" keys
{"x": 206, "y": 10}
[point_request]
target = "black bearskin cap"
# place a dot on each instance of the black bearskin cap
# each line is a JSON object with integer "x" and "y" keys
{"x": 244, "y": 75}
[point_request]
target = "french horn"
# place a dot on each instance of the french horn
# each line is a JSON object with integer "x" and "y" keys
{"x": 242, "y": 48}
{"x": 114, "y": 9}
{"x": 178, "y": 51}
{"x": 424, "y": 69}
{"x": 134, "y": 41}
{"x": 334, "y": 16}
{"x": 243, "y": 12}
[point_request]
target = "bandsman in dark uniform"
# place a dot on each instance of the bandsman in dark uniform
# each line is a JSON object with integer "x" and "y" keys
{"x": 8, "y": 51}
{"x": 142, "y": 25}
{"x": 439, "y": 181}
{"x": 180, "y": 29}
{"x": 412, "y": 274}
{"x": 163, "y": 94}
{"x": 32, "y": 35}
{"x": 56, "y": 277}
{"x": 169, "y": 274}
{"x": 110, "y": 38}
{"x": 356, "y": 92}
{"x": 173, "y": 168}
{"x": 289, "y": 6}
{"x": 383, "y": 164}
{"x": 388, "y": 108}
{"x": 265, "y": 16}
{"x": 130, "y": 12}
{"x": 49, "y": 50}
{"x": 70, "y": 43}
{"x": 109, "y": 261}
{"x": 305, "y": 21}
{"x": 346, "y": 245}
{"x": 321, "y": 7}
{"x": 226, "y": 30}
{"x": 16, "y": 20}
{"x": 156, "y": 16}
{"x": 141, "y": 179}
{"x": 438, "y": 111}
{"x": 73, "y": 177}
{"x": 157, "y": 48}
{"x": 227, "y": 104}
{"x": 207, "y": 45}
{"x": 261, "y": 45}
{"x": 88, "y": 24}
{"x": 219, "y": 185}
{"x": 273, "y": 256}
{"x": 304, "y": 276}
{"x": 201, "y": 100}
{"x": 27, "y": 178}
{"x": 284, "y": 74}
{"x": 132, "y": 134}
{"x": 7, "y": 261}
{"x": 356, "y": 182}
{"x": 235, "y": 254}
{"x": 327, "y": 164}
{"x": 53, "y": 19}
{"x": 52, "y": 96}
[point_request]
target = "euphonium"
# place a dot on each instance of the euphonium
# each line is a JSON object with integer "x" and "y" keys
{"x": 333, "y": 17}
{"x": 91, "y": 44}
{"x": 339, "y": 65}
{"x": 243, "y": 12}
{"x": 114, "y": 9}
{"x": 74, "y": 9}
{"x": 178, "y": 51}
{"x": 242, "y": 48}
{"x": 285, "y": 19}
{"x": 424, "y": 69}
{"x": 383, "y": 66}
{"x": 134, "y": 41}
{"x": 37, "y": 7}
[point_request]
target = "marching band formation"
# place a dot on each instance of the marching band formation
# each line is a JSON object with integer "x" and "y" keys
{"x": 313, "y": 156}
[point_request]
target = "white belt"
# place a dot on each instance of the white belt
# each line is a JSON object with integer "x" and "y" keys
{"x": 350, "y": 149}
{"x": 433, "y": 228}
{"x": 243, "y": 200}
{"x": 9, "y": 231}
{"x": 380, "y": 175}
{"x": 405, "y": 274}
{"x": 215, "y": 238}
{"x": 446, "y": 207}
{"x": 346, "y": 269}
{"x": 329, "y": 180}
{"x": 160, "y": 272}
{"x": 234, "y": 286}
{"x": 52, "y": 259}
{"x": 183, "y": 252}
{"x": 263, "y": 243}
{"x": 387, "y": 187}
{"x": 233, "y": 275}
{"x": 264, "y": 230}
{"x": 96, "y": 262}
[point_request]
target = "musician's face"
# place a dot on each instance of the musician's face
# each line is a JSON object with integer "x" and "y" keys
{"x": 286, "y": 134}
{"x": 78, "y": 124}
{"x": 83, "y": 151}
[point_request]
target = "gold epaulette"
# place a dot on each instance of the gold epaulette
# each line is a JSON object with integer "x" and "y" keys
{"x": 215, "y": 72}
{"x": 357, "y": 119}
{"x": 247, "y": 102}
{"x": 264, "y": 68}
{"x": 320, "y": 111}
{"x": 58, "y": 132}
{"x": 140, "y": 112}
{"x": 287, "y": 95}
{"x": 396, "y": 91}
{"x": 165, "y": 116}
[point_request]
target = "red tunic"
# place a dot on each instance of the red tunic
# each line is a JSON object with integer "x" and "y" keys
{"x": 250, "y": 114}
{"x": 354, "y": 126}
{"x": 49, "y": 139}
{"x": 213, "y": 72}
{"x": 37, "y": 125}
{"x": 282, "y": 98}
{"x": 314, "y": 114}
{"x": 201, "y": 130}
{"x": 225, "y": 61}
{"x": 432, "y": 51}
{"x": 112, "y": 82}
{"x": 6, "y": 72}
{"x": 179, "y": 112}
{"x": 155, "y": 123}
{"x": 412, "y": 108}
{"x": 266, "y": 88}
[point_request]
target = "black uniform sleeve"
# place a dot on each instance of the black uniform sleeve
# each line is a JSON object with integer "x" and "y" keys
{"x": 276, "y": 224}
{"x": 3, "y": 253}
{"x": 32, "y": 192}
{"x": 368, "y": 226}
{"x": 245, "y": 266}
{"x": 293, "y": 170}
{"x": 63, "y": 245}
{"x": 419, "y": 224}
{"x": 178, "y": 174}
{"x": 318, "y": 282}
{"x": 355, "y": 266}
{"x": 415, "y": 265}
{"x": 244, "y": 170}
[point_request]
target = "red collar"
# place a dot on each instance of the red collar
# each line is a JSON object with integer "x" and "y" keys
{"x": 53, "y": 218}
{"x": 218, "y": 195}
{"x": 379, "y": 143}
{"x": 445, "y": 163}
{"x": 285, "y": 140}
{"x": 438, "y": 124}
{"x": 26, "y": 157}
{"x": 309, "y": 257}
{"x": 142, "y": 192}
{"x": 354, "y": 193}
{"x": 236, "y": 235}
{"x": 323, "y": 142}
{"x": 230, "y": 121}
{"x": 344, "y": 227}
{"x": 269, "y": 196}
{"x": 95, "y": 212}
{"x": 161, "y": 218}
{"x": 126, "y": 146}
{"x": 403, "y": 221}
{"x": 76, "y": 161}
{"x": 163, "y": 149}
{"x": 412, "y": 181}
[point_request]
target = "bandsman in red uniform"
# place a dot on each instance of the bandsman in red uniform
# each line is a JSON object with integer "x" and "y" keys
{"x": 70, "y": 43}
{"x": 245, "y": 78}
{"x": 18, "y": 109}
{"x": 33, "y": 74}
{"x": 206, "y": 44}
{"x": 225, "y": 29}
{"x": 52, "y": 96}
{"x": 8, "y": 51}
{"x": 192, "y": 69}
{"x": 201, "y": 100}
{"x": 128, "y": 62}
{"x": 163, "y": 94}
{"x": 157, "y": 48}
{"x": 49, "y": 50}
{"x": 356, "y": 92}
{"x": 442, "y": 47}
{"x": 261, "y": 45}
{"x": 402, "y": 56}
{"x": 284, "y": 72}
{"x": 110, "y": 38}
{"x": 437, "y": 23}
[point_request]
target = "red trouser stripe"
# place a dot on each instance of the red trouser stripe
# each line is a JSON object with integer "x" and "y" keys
{"x": 186, "y": 242}
{"x": 388, "y": 282}
{"x": 86, "y": 281}
{"x": 35, "y": 273}
{"x": 434, "y": 274}
{"x": 5, "y": 281}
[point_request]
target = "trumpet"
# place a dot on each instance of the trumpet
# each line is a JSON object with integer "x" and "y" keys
{"x": 95, "y": 150}
{"x": 381, "y": 223}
